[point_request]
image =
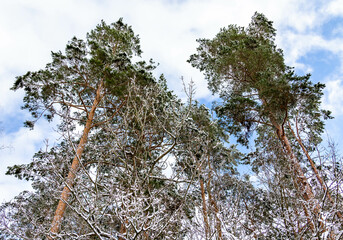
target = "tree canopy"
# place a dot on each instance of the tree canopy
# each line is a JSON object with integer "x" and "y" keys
{"x": 247, "y": 70}
{"x": 136, "y": 162}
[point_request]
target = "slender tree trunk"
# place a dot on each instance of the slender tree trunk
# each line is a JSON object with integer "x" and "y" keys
{"x": 204, "y": 209}
{"x": 145, "y": 233}
{"x": 303, "y": 186}
{"x": 146, "y": 236}
{"x": 122, "y": 230}
{"x": 306, "y": 190}
{"x": 55, "y": 225}
{"x": 253, "y": 227}
{"x": 315, "y": 170}
{"x": 301, "y": 183}
{"x": 213, "y": 202}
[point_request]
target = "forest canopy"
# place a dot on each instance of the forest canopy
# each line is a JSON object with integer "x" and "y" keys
{"x": 147, "y": 165}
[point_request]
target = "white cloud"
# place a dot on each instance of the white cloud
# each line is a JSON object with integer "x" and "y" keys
{"x": 20, "y": 147}
{"x": 333, "y": 100}
{"x": 168, "y": 29}
{"x": 10, "y": 101}
{"x": 335, "y": 7}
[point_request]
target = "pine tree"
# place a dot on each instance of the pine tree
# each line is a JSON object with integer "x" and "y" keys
{"x": 203, "y": 158}
{"x": 120, "y": 190}
{"x": 259, "y": 92}
{"x": 85, "y": 86}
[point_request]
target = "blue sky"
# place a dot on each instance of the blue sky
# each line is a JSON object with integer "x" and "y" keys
{"x": 309, "y": 32}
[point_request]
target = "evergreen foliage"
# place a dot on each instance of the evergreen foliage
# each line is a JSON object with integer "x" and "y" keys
{"x": 148, "y": 166}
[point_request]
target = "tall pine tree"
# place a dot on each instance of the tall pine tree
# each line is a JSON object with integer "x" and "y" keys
{"x": 259, "y": 92}
{"x": 87, "y": 86}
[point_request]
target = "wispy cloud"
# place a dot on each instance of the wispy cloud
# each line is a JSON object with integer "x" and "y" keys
{"x": 333, "y": 99}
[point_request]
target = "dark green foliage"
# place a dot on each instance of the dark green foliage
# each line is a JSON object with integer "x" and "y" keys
{"x": 71, "y": 80}
{"x": 256, "y": 87}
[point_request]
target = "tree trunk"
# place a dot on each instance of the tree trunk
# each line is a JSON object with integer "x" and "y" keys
{"x": 213, "y": 202}
{"x": 122, "y": 230}
{"x": 204, "y": 209}
{"x": 314, "y": 169}
{"x": 305, "y": 187}
{"x": 55, "y": 225}
{"x": 301, "y": 183}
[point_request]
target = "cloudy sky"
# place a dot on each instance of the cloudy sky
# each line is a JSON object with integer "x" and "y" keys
{"x": 309, "y": 31}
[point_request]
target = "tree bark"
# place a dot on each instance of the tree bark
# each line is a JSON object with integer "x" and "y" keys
{"x": 315, "y": 170}
{"x": 213, "y": 202}
{"x": 301, "y": 183}
{"x": 55, "y": 225}
{"x": 204, "y": 209}
{"x": 122, "y": 230}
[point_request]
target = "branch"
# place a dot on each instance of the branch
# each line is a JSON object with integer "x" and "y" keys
{"x": 113, "y": 115}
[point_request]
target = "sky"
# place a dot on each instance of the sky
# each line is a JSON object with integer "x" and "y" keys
{"x": 310, "y": 32}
